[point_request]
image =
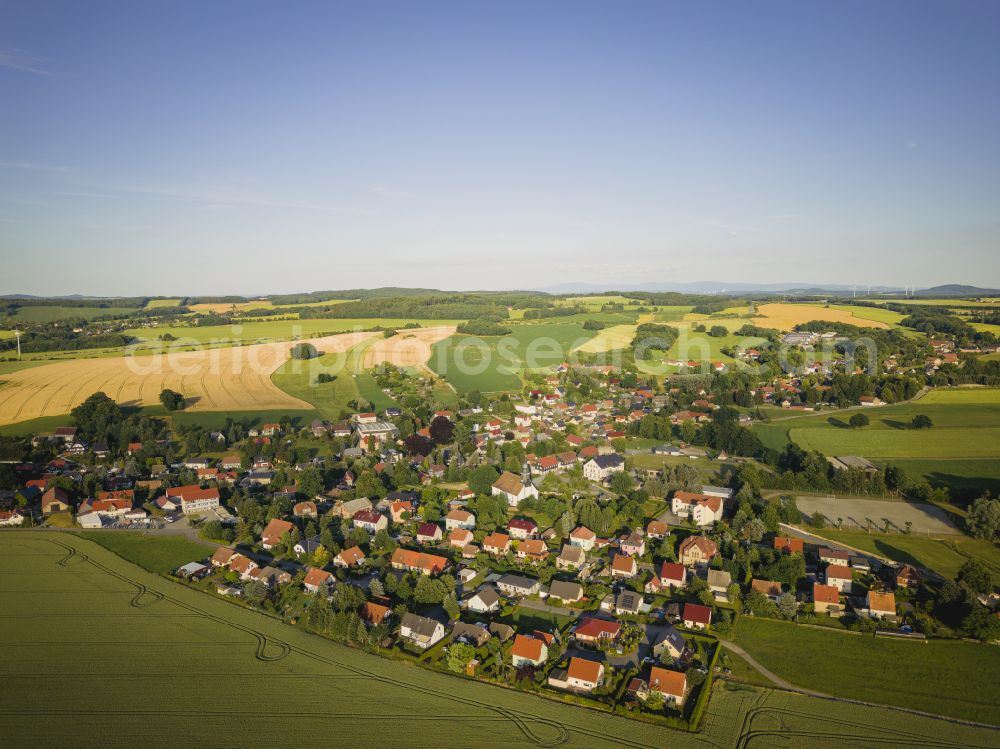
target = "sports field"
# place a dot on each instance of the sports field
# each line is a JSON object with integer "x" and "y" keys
{"x": 494, "y": 363}
{"x": 864, "y": 513}
{"x": 236, "y": 378}
{"x": 944, "y": 677}
{"x": 154, "y": 663}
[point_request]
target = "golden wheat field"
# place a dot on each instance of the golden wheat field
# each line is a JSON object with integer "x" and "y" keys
{"x": 221, "y": 379}
{"x": 786, "y": 316}
{"x": 609, "y": 339}
{"x": 408, "y": 348}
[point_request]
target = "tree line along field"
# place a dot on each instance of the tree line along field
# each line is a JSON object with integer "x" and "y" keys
{"x": 186, "y": 642}
{"x": 191, "y": 660}
{"x": 213, "y": 380}
{"x": 942, "y": 677}
{"x": 494, "y": 363}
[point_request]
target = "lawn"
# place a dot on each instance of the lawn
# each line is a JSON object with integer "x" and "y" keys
{"x": 943, "y": 555}
{"x": 945, "y": 677}
{"x": 154, "y": 553}
{"x": 70, "y": 604}
{"x": 494, "y": 363}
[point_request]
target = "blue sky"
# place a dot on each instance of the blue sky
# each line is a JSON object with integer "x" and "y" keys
{"x": 244, "y": 147}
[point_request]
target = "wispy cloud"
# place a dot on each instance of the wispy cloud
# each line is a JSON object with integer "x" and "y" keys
{"x": 388, "y": 192}
{"x": 17, "y": 59}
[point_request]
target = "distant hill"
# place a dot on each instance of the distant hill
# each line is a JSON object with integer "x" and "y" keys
{"x": 956, "y": 289}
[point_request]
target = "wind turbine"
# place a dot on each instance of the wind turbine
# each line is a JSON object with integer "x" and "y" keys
{"x": 17, "y": 334}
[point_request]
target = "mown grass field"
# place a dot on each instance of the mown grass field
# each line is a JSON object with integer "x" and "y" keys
{"x": 943, "y": 555}
{"x": 944, "y": 677}
{"x": 495, "y": 363}
{"x": 983, "y": 442}
{"x": 196, "y": 667}
{"x": 886, "y": 316}
{"x": 162, "y": 303}
{"x": 609, "y": 339}
{"x": 154, "y": 553}
{"x": 965, "y": 478}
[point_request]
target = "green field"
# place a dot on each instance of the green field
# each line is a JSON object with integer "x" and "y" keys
{"x": 900, "y": 443}
{"x": 162, "y": 303}
{"x": 45, "y": 314}
{"x": 69, "y": 605}
{"x": 965, "y": 478}
{"x": 968, "y": 395}
{"x": 154, "y": 553}
{"x": 944, "y": 677}
{"x": 495, "y": 363}
{"x": 331, "y": 398}
{"x": 753, "y": 718}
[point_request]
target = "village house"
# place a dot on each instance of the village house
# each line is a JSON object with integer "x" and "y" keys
{"x": 592, "y": 630}
{"x": 194, "y": 499}
{"x": 697, "y": 551}
{"x": 767, "y": 588}
{"x": 671, "y": 684}
{"x": 373, "y": 613}
{"x": 55, "y": 500}
{"x": 566, "y": 592}
{"x": 570, "y": 558}
{"x": 908, "y": 576}
{"x": 826, "y": 599}
{"x": 347, "y": 558}
{"x": 600, "y": 467}
{"x": 696, "y": 616}
{"x": 426, "y": 564}
{"x": 486, "y": 600}
{"x": 671, "y": 643}
{"x": 460, "y": 519}
{"x": 369, "y": 520}
{"x": 880, "y": 605}
{"x": 460, "y": 538}
{"x": 701, "y": 509}
{"x": 243, "y": 566}
{"x": 429, "y": 533}
{"x": 634, "y": 545}
{"x": 623, "y": 567}
{"x": 718, "y": 584}
{"x": 583, "y": 538}
{"x": 528, "y": 651}
{"x": 533, "y": 550}
{"x": 788, "y": 545}
{"x": 273, "y": 533}
{"x": 518, "y": 585}
{"x": 673, "y": 575}
{"x": 521, "y": 528}
{"x": 513, "y": 488}
{"x": 496, "y": 544}
{"x": 584, "y": 675}
{"x": 317, "y": 579}
{"x": 305, "y": 509}
{"x": 421, "y": 631}
{"x": 834, "y": 556}
{"x": 839, "y": 577}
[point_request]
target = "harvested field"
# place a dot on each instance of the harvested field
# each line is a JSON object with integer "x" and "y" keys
{"x": 408, "y": 348}
{"x": 784, "y": 316}
{"x": 216, "y": 307}
{"x": 609, "y": 339}
{"x": 236, "y": 378}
